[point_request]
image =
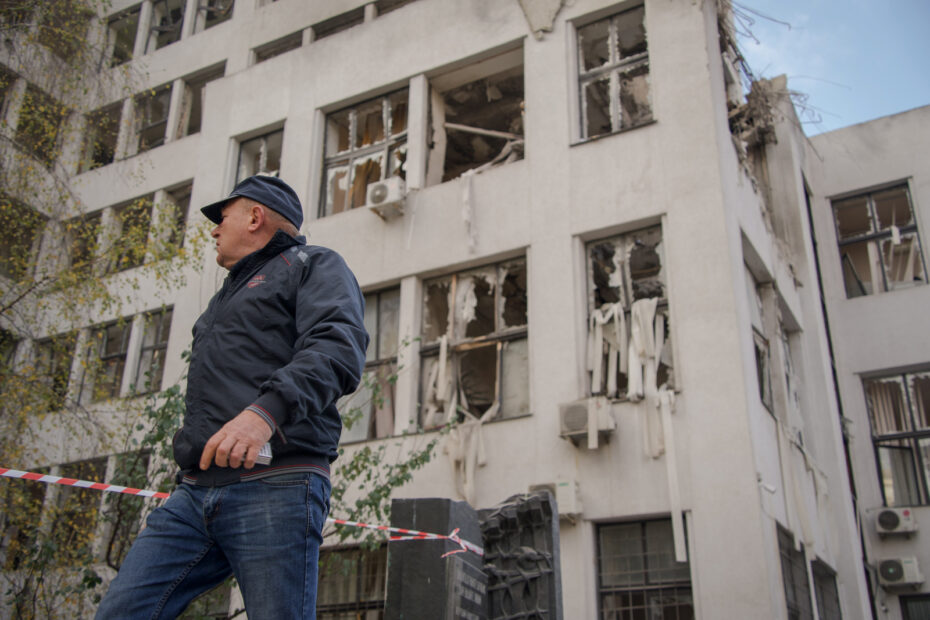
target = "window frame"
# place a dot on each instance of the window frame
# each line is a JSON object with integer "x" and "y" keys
{"x": 907, "y": 441}
{"x": 612, "y": 70}
{"x": 876, "y": 235}
{"x": 657, "y": 585}
{"x": 626, "y": 241}
{"x": 379, "y": 368}
{"x": 364, "y": 556}
{"x": 156, "y": 351}
{"x": 349, "y": 158}
{"x": 460, "y": 346}
{"x": 263, "y": 139}
{"x": 99, "y": 361}
{"x": 794, "y": 576}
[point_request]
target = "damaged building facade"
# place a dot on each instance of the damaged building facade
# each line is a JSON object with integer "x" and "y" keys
{"x": 625, "y": 281}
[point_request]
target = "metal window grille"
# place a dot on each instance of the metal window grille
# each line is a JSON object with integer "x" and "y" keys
{"x": 638, "y": 576}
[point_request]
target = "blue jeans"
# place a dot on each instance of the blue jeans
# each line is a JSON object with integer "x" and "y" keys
{"x": 266, "y": 532}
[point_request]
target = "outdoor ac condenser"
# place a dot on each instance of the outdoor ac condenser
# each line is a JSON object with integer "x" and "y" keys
{"x": 587, "y": 422}
{"x": 894, "y": 521}
{"x": 386, "y": 198}
{"x": 900, "y": 572}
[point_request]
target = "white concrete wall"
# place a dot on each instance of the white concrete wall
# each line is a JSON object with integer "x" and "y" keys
{"x": 875, "y": 334}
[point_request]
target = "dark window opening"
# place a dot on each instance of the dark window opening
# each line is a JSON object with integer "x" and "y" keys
{"x": 278, "y": 47}
{"x": 100, "y": 136}
{"x": 40, "y": 122}
{"x": 340, "y": 22}
{"x": 167, "y": 20}
{"x": 122, "y": 31}
{"x": 152, "y": 113}
{"x": 22, "y": 228}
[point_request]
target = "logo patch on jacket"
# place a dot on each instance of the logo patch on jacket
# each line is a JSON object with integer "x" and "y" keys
{"x": 256, "y": 281}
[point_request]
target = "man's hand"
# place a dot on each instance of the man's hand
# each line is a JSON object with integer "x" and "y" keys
{"x": 238, "y": 442}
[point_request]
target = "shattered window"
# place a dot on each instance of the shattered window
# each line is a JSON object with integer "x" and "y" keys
{"x": 369, "y": 412}
{"x": 899, "y": 409}
{"x": 167, "y": 19}
{"x": 100, "y": 136}
{"x": 278, "y": 47}
{"x": 22, "y": 227}
{"x": 192, "y": 104}
{"x": 478, "y": 124}
{"x": 179, "y": 203}
{"x": 39, "y": 125}
{"x": 364, "y": 144}
{"x": 151, "y": 366}
{"x": 152, "y": 117}
{"x": 52, "y": 366}
{"x": 474, "y": 345}
{"x": 122, "y": 33}
{"x": 128, "y": 242}
{"x": 627, "y": 296}
{"x": 105, "y": 361}
{"x": 216, "y": 11}
{"x": 760, "y": 341}
{"x": 613, "y": 70}
{"x": 878, "y": 241}
{"x": 261, "y": 155}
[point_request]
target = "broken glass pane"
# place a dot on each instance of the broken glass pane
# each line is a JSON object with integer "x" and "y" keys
{"x": 477, "y": 375}
{"x": 887, "y": 405}
{"x": 123, "y": 34}
{"x": 371, "y": 326}
{"x": 857, "y": 270}
{"x": 920, "y": 398}
{"x": 388, "y": 323}
{"x": 631, "y": 33}
{"x": 397, "y": 160}
{"x": 896, "y": 460}
{"x": 474, "y": 304}
{"x": 606, "y": 273}
{"x": 365, "y": 170}
{"x": 635, "y": 108}
{"x": 513, "y": 295}
{"x": 398, "y": 103}
{"x": 337, "y": 178}
{"x": 436, "y": 309}
{"x": 645, "y": 262}
{"x": 597, "y": 108}
{"x": 892, "y": 208}
{"x": 593, "y": 41}
{"x": 903, "y": 264}
{"x": 852, "y": 217}
{"x": 515, "y": 392}
{"x": 153, "y": 113}
{"x": 370, "y": 124}
{"x": 337, "y": 132}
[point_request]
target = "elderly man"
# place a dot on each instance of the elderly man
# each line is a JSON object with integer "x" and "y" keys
{"x": 279, "y": 343}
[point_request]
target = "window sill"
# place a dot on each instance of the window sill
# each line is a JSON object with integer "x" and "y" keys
{"x": 435, "y": 429}
{"x": 613, "y": 133}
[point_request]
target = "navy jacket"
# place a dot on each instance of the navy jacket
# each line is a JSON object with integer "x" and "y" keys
{"x": 285, "y": 338}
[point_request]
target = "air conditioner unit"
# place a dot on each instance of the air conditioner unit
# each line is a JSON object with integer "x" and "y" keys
{"x": 587, "y": 421}
{"x": 900, "y": 572}
{"x": 892, "y": 521}
{"x": 567, "y": 494}
{"x": 386, "y": 198}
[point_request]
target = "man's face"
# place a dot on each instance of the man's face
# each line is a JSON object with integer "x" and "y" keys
{"x": 232, "y": 234}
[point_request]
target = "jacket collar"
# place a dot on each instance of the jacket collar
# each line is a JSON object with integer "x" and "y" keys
{"x": 279, "y": 242}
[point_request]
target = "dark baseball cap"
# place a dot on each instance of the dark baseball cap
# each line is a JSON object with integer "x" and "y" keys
{"x": 269, "y": 191}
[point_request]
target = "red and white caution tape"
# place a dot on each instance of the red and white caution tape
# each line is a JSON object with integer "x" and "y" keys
{"x": 84, "y": 484}
{"x": 399, "y": 532}
{"x": 405, "y": 534}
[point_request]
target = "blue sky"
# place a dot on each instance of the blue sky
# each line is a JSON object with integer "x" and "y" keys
{"x": 855, "y": 59}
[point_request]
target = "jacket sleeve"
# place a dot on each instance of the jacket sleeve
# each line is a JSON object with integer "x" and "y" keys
{"x": 329, "y": 352}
